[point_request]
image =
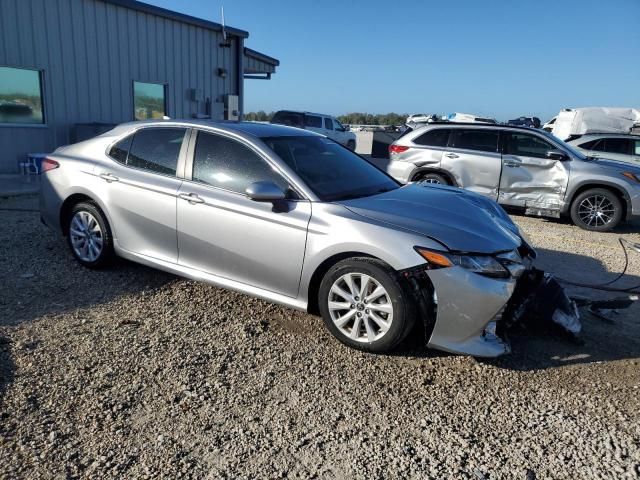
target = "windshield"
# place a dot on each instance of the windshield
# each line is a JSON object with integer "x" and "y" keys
{"x": 331, "y": 171}
{"x": 570, "y": 148}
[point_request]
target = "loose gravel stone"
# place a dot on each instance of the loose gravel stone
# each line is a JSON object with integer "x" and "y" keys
{"x": 129, "y": 372}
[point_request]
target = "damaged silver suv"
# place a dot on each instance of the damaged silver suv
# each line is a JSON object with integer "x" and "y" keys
{"x": 520, "y": 167}
{"x": 292, "y": 217}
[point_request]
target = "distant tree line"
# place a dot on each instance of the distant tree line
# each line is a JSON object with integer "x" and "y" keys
{"x": 349, "y": 118}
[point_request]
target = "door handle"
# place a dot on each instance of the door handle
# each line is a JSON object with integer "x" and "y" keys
{"x": 451, "y": 155}
{"x": 511, "y": 164}
{"x": 109, "y": 177}
{"x": 192, "y": 198}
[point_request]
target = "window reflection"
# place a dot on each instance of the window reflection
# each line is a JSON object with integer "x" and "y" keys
{"x": 148, "y": 100}
{"x": 20, "y": 96}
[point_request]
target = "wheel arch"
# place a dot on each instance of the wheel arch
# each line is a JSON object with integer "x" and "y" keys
{"x": 422, "y": 170}
{"x": 321, "y": 270}
{"x": 612, "y": 187}
{"x": 74, "y": 199}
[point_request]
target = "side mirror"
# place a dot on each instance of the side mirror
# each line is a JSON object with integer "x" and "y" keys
{"x": 557, "y": 155}
{"x": 265, "y": 191}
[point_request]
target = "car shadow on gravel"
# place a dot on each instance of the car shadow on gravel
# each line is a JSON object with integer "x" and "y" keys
{"x": 7, "y": 367}
{"x": 602, "y": 340}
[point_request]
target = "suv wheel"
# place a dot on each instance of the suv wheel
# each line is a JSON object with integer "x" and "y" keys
{"x": 436, "y": 178}
{"x": 89, "y": 236}
{"x": 351, "y": 145}
{"x": 597, "y": 209}
{"x": 364, "y": 306}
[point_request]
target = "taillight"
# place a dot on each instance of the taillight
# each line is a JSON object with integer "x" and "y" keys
{"x": 397, "y": 148}
{"x": 48, "y": 164}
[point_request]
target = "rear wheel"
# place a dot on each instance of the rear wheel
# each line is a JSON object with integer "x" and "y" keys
{"x": 432, "y": 178}
{"x": 364, "y": 305}
{"x": 89, "y": 235}
{"x": 597, "y": 209}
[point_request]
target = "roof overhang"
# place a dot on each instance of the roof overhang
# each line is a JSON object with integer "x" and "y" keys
{"x": 179, "y": 17}
{"x": 258, "y": 66}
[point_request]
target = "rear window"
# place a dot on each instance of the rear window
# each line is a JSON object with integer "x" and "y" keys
{"x": 291, "y": 119}
{"x": 120, "y": 150}
{"x": 313, "y": 121}
{"x": 474, "y": 139}
{"x": 434, "y": 138}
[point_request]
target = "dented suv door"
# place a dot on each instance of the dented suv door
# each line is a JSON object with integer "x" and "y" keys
{"x": 474, "y": 160}
{"x": 529, "y": 178}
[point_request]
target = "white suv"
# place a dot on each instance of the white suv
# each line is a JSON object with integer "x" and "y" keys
{"x": 319, "y": 123}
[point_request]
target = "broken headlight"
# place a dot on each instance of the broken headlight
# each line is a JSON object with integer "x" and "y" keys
{"x": 481, "y": 264}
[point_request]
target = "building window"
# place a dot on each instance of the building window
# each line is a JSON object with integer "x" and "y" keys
{"x": 149, "y": 100}
{"x": 20, "y": 96}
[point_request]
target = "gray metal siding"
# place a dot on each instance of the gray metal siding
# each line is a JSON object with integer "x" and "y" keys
{"x": 90, "y": 52}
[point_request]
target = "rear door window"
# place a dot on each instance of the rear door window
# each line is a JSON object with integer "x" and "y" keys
{"x": 313, "y": 121}
{"x": 636, "y": 148}
{"x": 226, "y": 163}
{"x": 525, "y": 145}
{"x": 434, "y": 138}
{"x": 617, "y": 145}
{"x": 475, "y": 139}
{"x": 156, "y": 149}
{"x": 328, "y": 124}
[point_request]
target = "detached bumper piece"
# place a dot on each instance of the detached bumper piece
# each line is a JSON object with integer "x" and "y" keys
{"x": 540, "y": 301}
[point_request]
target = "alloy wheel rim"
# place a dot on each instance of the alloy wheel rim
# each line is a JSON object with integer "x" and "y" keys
{"x": 430, "y": 180}
{"x": 360, "y": 307}
{"x": 86, "y": 236}
{"x": 596, "y": 211}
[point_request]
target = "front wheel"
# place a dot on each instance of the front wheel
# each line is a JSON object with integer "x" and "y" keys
{"x": 351, "y": 145}
{"x": 364, "y": 305}
{"x": 597, "y": 209}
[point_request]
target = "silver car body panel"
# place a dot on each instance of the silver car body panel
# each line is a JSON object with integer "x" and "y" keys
{"x": 233, "y": 242}
{"x": 538, "y": 184}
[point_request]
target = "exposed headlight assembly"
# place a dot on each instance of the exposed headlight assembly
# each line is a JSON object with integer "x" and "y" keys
{"x": 481, "y": 264}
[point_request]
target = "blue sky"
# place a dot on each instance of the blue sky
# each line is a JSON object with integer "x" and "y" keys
{"x": 501, "y": 58}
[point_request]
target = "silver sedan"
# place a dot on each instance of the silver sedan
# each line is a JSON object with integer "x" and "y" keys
{"x": 294, "y": 218}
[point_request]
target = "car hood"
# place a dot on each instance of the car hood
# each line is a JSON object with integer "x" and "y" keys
{"x": 460, "y": 220}
{"x": 627, "y": 165}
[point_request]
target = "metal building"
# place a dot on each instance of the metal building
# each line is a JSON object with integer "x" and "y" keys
{"x": 70, "y": 69}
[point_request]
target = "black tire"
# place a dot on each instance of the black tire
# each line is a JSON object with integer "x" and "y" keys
{"x": 106, "y": 255}
{"x": 351, "y": 145}
{"x": 403, "y": 314}
{"x": 434, "y": 178}
{"x": 585, "y": 208}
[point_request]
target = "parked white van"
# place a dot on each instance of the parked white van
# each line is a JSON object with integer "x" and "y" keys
{"x": 319, "y": 123}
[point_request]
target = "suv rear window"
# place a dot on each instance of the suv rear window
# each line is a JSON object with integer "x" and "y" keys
{"x": 473, "y": 139}
{"x": 434, "y": 138}
{"x": 291, "y": 119}
{"x": 312, "y": 121}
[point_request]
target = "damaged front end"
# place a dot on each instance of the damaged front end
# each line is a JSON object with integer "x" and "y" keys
{"x": 539, "y": 300}
{"x": 469, "y": 314}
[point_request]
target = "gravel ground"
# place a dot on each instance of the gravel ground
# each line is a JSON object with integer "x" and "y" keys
{"x": 133, "y": 373}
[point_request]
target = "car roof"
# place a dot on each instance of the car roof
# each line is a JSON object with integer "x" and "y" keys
{"x": 305, "y": 113}
{"x": 481, "y": 125}
{"x": 254, "y": 129}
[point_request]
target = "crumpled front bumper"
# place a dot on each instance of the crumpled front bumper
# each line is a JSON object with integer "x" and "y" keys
{"x": 466, "y": 313}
